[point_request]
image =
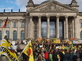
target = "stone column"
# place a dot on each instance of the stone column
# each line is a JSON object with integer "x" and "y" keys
{"x": 66, "y": 26}
{"x": 77, "y": 28}
{"x": 18, "y": 29}
{"x": 31, "y": 27}
{"x": 11, "y": 30}
{"x": 73, "y": 28}
{"x": 64, "y": 30}
{"x": 39, "y": 27}
{"x": 48, "y": 27}
{"x": 26, "y": 27}
{"x": 57, "y": 27}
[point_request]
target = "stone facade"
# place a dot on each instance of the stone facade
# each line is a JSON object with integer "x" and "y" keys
{"x": 36, "y": 13}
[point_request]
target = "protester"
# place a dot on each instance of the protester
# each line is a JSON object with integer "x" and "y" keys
{"x": 46, "y": 55}
{"x": 50, "y": 56}
{"x": 47, "y": 51}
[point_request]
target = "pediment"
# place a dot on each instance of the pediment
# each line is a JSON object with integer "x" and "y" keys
{"x": 52, "y": 7}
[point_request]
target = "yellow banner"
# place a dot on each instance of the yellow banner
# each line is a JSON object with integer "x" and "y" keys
{"x": 28, "y": 51}
{"x": 10, "y": 54}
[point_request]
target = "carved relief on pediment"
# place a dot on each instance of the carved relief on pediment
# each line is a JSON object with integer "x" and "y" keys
{"x": 53, "y": 7}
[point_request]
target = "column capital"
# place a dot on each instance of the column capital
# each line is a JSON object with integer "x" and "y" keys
{"x": 39, "y": 16}
{"x": 57, "y": 16}
{"x": 66, "y": 16}
{"x": 48, "y": 16}
{"x": 75, "y": 16}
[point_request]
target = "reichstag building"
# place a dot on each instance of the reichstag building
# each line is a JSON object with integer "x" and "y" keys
{"x": 50, "y": 19}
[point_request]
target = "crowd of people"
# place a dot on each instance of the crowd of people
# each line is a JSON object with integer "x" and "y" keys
{"x": 48, "y": 51}
{"x": 57, "y": 52}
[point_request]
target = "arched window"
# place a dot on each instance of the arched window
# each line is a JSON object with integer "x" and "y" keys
{"x": 0, "y": 35}
{"x": 7, "y": 32}
{"x": 81, "y": 35}
{"x": 14, "y": 35}
{"x": 22, "y": 35}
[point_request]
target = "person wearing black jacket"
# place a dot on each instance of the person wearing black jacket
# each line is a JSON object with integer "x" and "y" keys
{"x": 55, "y": 56}
{"x": 25, "y": 57}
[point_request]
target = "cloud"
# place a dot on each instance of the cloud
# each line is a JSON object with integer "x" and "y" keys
{"x": 64, "y": 1}
{"x": 6, "y": 9}
{"x": 38, "y": 1}
{"x": 10, "y": 1}
{"x": 22, "y": 3}
{"x": 80, "y": 5}
{"x": 23, "y": 9}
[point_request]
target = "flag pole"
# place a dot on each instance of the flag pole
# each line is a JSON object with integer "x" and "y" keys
{"x": 24, "y": 49}
{"x": 7, "y": 44}
{"x": 4, "y": 26}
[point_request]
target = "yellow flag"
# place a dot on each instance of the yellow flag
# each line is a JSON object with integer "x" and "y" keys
{"x": 57, "y": 41}
{"x": 28, "y": 51}
{"x": 4, "y": 42}
{"x": 2, "y": 52}
{"x": 54, "y": 41}
{"x": 10, "y": 53}
{"x": 5, "y": 45}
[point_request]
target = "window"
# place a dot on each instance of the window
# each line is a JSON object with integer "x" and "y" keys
{"x": 0, "y": 24}
{"x": 81, "y": 25}
{"x": 14, "y": 35}
{"x": 22, "y": 35}
{"x": 81, "y": 35}
{"x": 15, "y": 24}
{"x": 61, "y": 30}
{"x": 7, "y": 32}
{"x": 44, "y": 29}
{"x": 52, "y": 29}
{"x": 22, "y": 24}
{"x": 0, "y": 35}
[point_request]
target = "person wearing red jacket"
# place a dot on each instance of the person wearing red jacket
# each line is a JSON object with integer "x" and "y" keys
{"x": 46, "y": 56}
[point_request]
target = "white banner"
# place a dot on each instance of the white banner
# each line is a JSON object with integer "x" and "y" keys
{"x": 77, "y": 42}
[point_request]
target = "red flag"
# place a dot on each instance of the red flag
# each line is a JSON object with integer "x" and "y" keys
{"x": 4, "y": 26}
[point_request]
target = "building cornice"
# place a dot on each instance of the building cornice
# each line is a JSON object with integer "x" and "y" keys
{"x": 80, "y": 13}
{"x": 12, "y": 13}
